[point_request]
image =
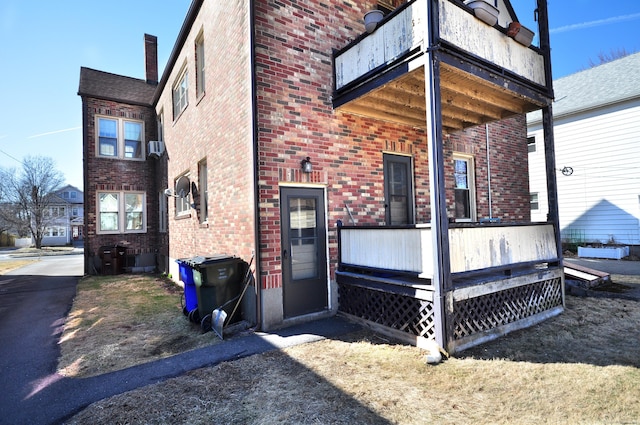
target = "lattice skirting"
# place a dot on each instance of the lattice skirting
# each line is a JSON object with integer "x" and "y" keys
{"x": 396, "y": 311}
{"x": 482, "y": 313}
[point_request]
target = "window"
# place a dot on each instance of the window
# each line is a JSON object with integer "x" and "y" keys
{"x": 119, "y": 138}
{"x": 464, "y": 191}
{"x": 75, "y": 211}
{"x": 160, "y": 120}
{"x": 204, "y": 195}
{"x": 183, "y": 204}
{"x": 162, "y": 211}
{"x": 55, "y": 231}
{"x": 56, "y": 212}
{"x": 65, "y": 195}
{"x": 531, "y": 144}
{"x": 534, "y": 201}
{"x": 200, "y": 66}
{"x": 180, "y": 99}
{"x": 121, "y": 212}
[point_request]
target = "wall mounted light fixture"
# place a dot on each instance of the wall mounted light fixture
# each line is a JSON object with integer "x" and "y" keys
{"x": 306, "y": 166}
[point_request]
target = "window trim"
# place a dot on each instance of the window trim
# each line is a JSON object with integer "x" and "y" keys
{"x": 536, "y": 202}
{"x": 184, "y": 203}
{"x": 183, "y": 76}
{"x": 471, "y": 182}
{"x": 200, "y": 66}
{"x": 120, "y": 140}
{"x": 121, "y": 223}
{"x": 203, "y": 192}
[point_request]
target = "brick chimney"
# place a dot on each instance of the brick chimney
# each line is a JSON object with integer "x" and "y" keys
{"x": 151, "y": 58}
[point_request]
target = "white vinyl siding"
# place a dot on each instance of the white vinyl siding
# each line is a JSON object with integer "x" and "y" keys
{"x": 600, "y": 199}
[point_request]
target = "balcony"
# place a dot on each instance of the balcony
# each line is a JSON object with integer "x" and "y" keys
{"x": 483, "y": 74}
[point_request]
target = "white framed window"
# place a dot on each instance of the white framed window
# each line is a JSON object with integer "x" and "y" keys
{"x": 535, "y": 205}
{"x": 204, "y": 194}
{"x": 56, "y": 212}
{"x": 162, "y": 212}
{"x": 75, "y": 211}
{"x": 200, "y": 66}
{"x": 179, "y": 93}
{"x": 119, "y": 138}
{"x": 183, "y": 204}
{"x": 121, "y": 212}
{"x": 464, "y": 188}
{"x": 55, "y": 231}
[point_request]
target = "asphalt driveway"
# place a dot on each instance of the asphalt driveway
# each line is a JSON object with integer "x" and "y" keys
{"x": 34, "y": 302}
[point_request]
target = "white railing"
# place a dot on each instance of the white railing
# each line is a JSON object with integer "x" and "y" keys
{"x": 408, "y": 29}
{"x": 470, "y": 248}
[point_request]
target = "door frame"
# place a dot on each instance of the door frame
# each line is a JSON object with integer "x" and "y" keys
{"x": 320, "y": 193}
{"x": 406, "y": 160}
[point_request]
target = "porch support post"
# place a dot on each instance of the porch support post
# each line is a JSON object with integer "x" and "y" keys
{"x": 439, "y": 220}
{"x": 552, "y": 185}
{"x": 547, "y": 127}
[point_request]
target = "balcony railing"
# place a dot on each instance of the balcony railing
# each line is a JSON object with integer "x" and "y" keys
{"x": 471, "y": 248}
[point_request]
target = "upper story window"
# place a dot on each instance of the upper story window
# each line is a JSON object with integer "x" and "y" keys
{"x": 121, "y": 212}
{"x": 120, "y": 138}
{"x": 200, "y": 65}
{"x": 531, "y": 144}
{"x": 179, "y": 91}
{"x": 56, "y": 212}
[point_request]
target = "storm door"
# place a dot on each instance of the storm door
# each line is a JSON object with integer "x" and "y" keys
{"x": 304, "y": 245}
{"x": 398, "y": 189}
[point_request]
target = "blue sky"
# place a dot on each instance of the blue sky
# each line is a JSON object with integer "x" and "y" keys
{"x": 44, "y": 43}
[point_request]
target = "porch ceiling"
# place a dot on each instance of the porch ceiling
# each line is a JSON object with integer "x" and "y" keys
{"x": 467, "y": 100}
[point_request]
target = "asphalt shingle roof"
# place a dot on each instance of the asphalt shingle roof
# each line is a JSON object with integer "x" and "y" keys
{"x": 114, "y": 87}
{"x": 612, "y": 82}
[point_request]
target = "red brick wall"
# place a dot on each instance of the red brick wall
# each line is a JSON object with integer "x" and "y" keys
{"x": 216, "y": 127}
{"x": 294, "y": 74}
{"x": 118, "y": 175}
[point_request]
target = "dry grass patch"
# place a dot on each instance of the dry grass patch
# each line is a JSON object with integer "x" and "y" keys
{"x": 579, "y": 367}
{"x": 9, "y": 265}
{"x": 121, "y": 321}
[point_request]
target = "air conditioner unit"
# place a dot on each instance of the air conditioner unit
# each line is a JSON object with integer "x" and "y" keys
{"x": 156, "y": 148}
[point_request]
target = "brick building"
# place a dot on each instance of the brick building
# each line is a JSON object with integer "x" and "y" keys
{"x": 268, "y": 153}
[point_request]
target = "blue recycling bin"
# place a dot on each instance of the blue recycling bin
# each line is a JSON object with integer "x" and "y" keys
{"x": 190, "y": 294}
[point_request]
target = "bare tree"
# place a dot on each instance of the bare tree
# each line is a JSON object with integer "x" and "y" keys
{"x": 28, "y": 193}
{"x": 609, "y": 57}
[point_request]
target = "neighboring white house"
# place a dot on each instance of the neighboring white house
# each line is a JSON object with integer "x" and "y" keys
{"x": 66, "y": 215}
{"x": 596, "y": 116}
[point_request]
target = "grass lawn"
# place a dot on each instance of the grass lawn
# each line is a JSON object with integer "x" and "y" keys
{"x": 579, "y": 367}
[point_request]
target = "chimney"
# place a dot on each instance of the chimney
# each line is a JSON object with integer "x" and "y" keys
{"x": 151, "y": 58}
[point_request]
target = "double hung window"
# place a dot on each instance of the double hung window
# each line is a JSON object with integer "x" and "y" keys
{"x": 179, "y": 92}
{"x": 120, "y": 138}
{"x": 121, "y": 212}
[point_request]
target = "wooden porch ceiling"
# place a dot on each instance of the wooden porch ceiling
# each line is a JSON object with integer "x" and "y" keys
{"x": 467, "y": 100}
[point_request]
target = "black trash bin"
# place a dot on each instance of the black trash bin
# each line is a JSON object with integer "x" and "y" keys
{"x": 218, "y": 280}
{"x": 106, "y": 254}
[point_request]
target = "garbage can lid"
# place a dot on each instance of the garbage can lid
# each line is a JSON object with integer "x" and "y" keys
{"x": 202, "y": 260}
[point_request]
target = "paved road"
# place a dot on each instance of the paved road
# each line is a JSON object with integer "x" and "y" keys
{"x": 34, "y": 301}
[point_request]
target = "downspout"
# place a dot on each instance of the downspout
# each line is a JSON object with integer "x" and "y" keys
{"x": 486, "y": 132}
{"x": 256, "y": 188}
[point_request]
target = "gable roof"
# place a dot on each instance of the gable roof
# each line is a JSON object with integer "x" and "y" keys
{"x": 107, "y": 86}
{"x": 612, "y": 82}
